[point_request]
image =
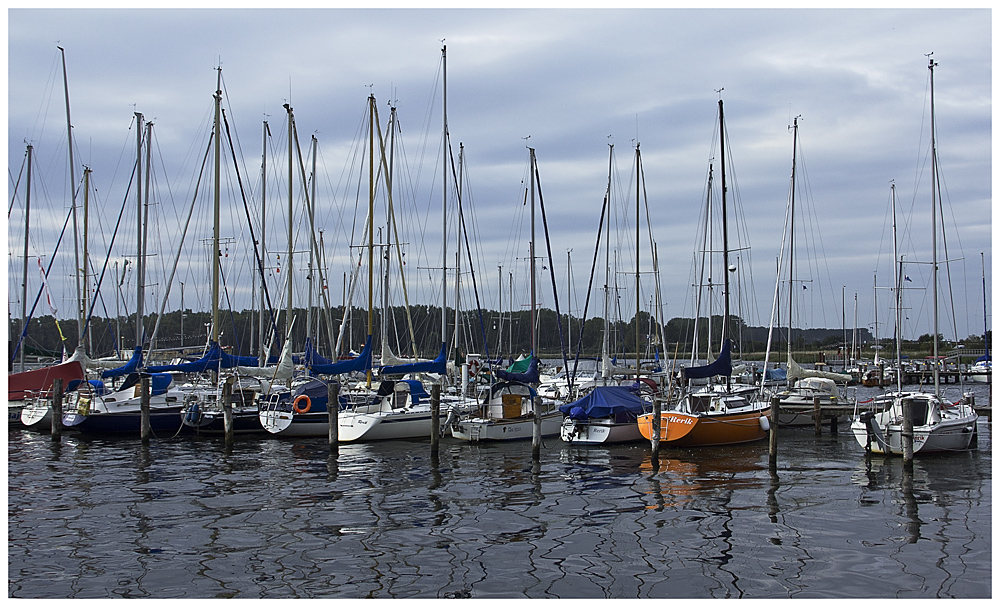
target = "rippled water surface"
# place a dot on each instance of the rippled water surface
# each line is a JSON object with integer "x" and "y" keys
{"x": 186, "y": 517}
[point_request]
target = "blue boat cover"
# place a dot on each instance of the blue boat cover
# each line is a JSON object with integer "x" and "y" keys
{"x": 129, "y": 367}
{"x": 723, "y": 365}
{"x": 775, "y": 374}
{"x": 605, "y": 401}
{"x": 438, "y": 365}
{"x": 360, "y": 363}
{"x": 213, "y": 360}
{"x": 529, "y": 376}
{"x": 312, "y": 357}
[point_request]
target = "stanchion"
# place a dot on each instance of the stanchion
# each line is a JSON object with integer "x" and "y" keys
{"x": 332, "y": 414}
{"x": 57, "y": 408}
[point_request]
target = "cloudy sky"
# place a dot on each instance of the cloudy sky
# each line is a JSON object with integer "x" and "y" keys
{"x": 565, "y": 82}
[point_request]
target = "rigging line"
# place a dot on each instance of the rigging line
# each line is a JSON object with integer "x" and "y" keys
{"x": 17, "y": 183}
{"x": 27, "y": 321}
{"x": 472, "y": 269}
{"x": 552, "y": 269}
{"x": 590, "y": 288}
{"x": 253, "y": 237}
{"x": 114, "y": 235}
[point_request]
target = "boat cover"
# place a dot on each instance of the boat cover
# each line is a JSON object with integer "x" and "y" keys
{"x": 529, "y": 376}
{"x": 723, "y": 365}
{"x": 129, "y": 367}
{"x": 795, "y": 371}
{"x": 312, "y": 357}
{"x": 438, "y": 365}
{"x": 213, "y": 360}
{"x": 362, "y": 362}
{"x": 40, "y": 380}
{"x": 605, "y": 401}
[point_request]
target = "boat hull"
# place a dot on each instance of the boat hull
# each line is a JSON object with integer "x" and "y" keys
{"x": 937, "y": 427}
{"x": 599, "y": 431}
{"x": 679, "y": 429}
{"x": 479, "y": 429}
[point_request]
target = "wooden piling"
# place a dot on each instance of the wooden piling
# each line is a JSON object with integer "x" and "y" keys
{"x": 57, "y": 408}
{"x": 227, "y": 410}
{"x": 435, "y": 417}
{"x": 654, "y": 436}
{"x": 817, "y": 417}
{"x": 145, "y": 428}
{"x": 772, "y": 449}
{"x": 332, "y": 415}
{"x": 907, "y": 433}
{"x": 536, "y": 430}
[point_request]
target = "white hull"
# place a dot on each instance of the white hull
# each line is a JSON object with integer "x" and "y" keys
{"x": 942, "y": 428}
{"x": 483, "y": 429}
{"x": 599, "y": 431}
{"x": 36, "y": 415}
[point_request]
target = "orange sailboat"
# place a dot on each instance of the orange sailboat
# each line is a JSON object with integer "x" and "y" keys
{"x": 713, "y": 414}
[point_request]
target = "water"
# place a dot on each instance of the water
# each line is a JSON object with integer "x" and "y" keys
{"x": 275, "y": 518}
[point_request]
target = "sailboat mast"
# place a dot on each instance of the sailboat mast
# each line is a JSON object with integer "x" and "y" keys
{"x": 531, "y": 254}
{"x": 986, "y": 345}
{"x": 261, "y": 351}
{"x": 216, "y": 206}
{"x": 312, "y": 258}
{"x": 145, "y": 227}
{"x": 791, "y": 237}
{"x": 72, "y": 189}
{"x": 139, "y": 222}
{"x": 371, "y": 224}
{"x": 86, "y": 261}
{"x": 934, "y": 203}
{"x": 289, "y": 251}
{"x": 24, "y": 285}
{"x": 897, "y": 268}
{"x": 725, "y": 232}
{"x": 444, "y": 195}
{"x": 605, "y": 341}
{"x": 638, "y": 173}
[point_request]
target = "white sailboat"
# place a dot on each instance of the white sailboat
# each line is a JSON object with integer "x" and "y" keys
{"x": 937, "y": 425}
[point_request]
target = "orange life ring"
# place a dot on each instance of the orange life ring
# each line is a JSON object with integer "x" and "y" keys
{"x": 298, "y": 399}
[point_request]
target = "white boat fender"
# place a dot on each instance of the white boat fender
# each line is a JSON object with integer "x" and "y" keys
{"x": 765, "y": 424}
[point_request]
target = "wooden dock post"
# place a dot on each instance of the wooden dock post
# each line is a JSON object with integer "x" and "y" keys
{"x": 536, "y": 430}
{"x": 227, "y": 410}
{"x": 333, "y": 415}
{"x": 772, "y": 448}
{"x": 57, "y": 408}
{"x": 145, "y": 428}
{"x": 435, "y": 417}
{"x": 817, "y": 417}
{"x": 654, "y": 435}
{"x": 906, "y": 436}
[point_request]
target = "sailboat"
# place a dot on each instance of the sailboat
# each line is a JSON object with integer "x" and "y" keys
{"x": 981, "y": 371}
{"x": 712, "y": 415}
{"x": 609, "y": 413}
{"x": 937, "y": 425}
{"x": 508, "y": 409}
{"x": 804, "y": 385}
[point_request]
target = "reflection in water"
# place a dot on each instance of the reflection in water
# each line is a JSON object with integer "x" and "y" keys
{"x": 288, "y": 518}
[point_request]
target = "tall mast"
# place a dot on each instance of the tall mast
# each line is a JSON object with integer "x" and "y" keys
{"x": 605, "y": 342}
{"x": 531, "y": 254}
{"x": 139, "y": 223}
{"x": 986, "y": 345}
{"x": 216, "y": 268}
{"x": 312, "y": 258}
{"x": 791, "y": 238}
{"x": 145, "y": 230}
{"x": 934, "y": 263}
{"x": 444, "y": 196}
{"x": 638, "y": 172}
{"x": 72, "y": 189}
{"x": 725, "y": 232}
{"x": 24, "y": 285}
{"x": 288, "y": 261}
{"x": 261, "y": 351}
{"x": 86, "y": 262}
{"x": 897, "y": 268}
{"x": 371, "y": 220}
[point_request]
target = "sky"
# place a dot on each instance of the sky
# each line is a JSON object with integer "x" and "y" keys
{"x": 566, "y": 82}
